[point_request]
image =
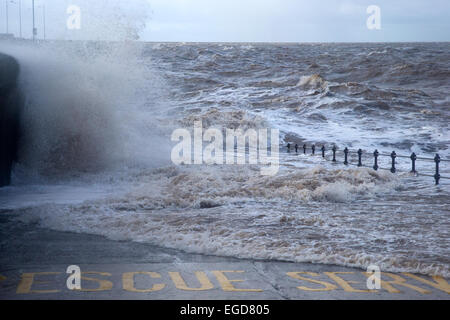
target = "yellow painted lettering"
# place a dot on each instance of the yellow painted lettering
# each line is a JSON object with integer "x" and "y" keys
{"x": 201, "y": 277}
{"x": 103, "y": 285}
{"x": 440, "y": 283}
{"x": 327, "y": 286}
{"x": 128, "y": 282}
{"x": 26, "y": 283}
{"x": 397, "y": 280}
{"x": 345, "y": 284}
{"x": 227, "y": 284}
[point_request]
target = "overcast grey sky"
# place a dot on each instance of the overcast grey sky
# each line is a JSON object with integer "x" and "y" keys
{"x": 237, "y": 20}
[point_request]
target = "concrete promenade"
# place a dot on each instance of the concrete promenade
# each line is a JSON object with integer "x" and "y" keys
{"x": 34, "y": 261}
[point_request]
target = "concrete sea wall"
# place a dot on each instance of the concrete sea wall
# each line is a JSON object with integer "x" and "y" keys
{"x": 10, "y": 106}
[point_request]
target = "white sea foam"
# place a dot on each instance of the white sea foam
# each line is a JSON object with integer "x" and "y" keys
{"x": 296, "y": 216}
{"x": 314, "y": 81}
{"x": 311, "y": 211}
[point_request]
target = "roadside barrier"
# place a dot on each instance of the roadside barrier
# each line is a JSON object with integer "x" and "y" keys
{"x": 376, "y": 155}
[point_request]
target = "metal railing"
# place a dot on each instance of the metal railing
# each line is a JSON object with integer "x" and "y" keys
{"x": 376, "y": 155}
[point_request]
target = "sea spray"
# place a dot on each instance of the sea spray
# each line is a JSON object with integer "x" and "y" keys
{"x": 84, "y": 108}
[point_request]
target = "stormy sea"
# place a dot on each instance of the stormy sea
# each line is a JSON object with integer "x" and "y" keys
{"x": 95, "y": 146}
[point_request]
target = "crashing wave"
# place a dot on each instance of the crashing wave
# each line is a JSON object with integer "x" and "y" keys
{"x": 314, "y": 81}
{"x": 230, "y": 119}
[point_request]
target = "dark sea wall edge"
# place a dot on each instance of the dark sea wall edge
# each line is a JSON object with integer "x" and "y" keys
{"x": 10, "y": 107}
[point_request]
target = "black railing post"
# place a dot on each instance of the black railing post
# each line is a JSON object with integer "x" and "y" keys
{"x": 334, "y": 153}
{"x": 304, "y": 149}
{"x": 360, "y": 152}
{"x": 313, "y": 149}
{"x": 393, "y": 156}
{"x": 323, "y": 152}
{"x": 375, "y": 165}
{"x": 413, "y": 159}
{"x": 346, "y": 156}
{"x": 437, "y": 176}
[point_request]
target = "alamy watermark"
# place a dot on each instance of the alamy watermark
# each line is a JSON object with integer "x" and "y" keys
{"x": 374, "y": 20}
{"x": 74, "y": 280}
{"x": 190, "y": 151}
{"x": 374, "y": 280}
{"x": 74, "y": 19}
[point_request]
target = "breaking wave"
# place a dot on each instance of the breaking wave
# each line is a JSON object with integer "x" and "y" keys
{"x": 108, "y": 110}
{"x": 198, "y": 211}
{"x": 84, "y": 110}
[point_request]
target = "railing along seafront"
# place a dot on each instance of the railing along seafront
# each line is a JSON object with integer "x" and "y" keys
{"x": 393, "y": 156}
